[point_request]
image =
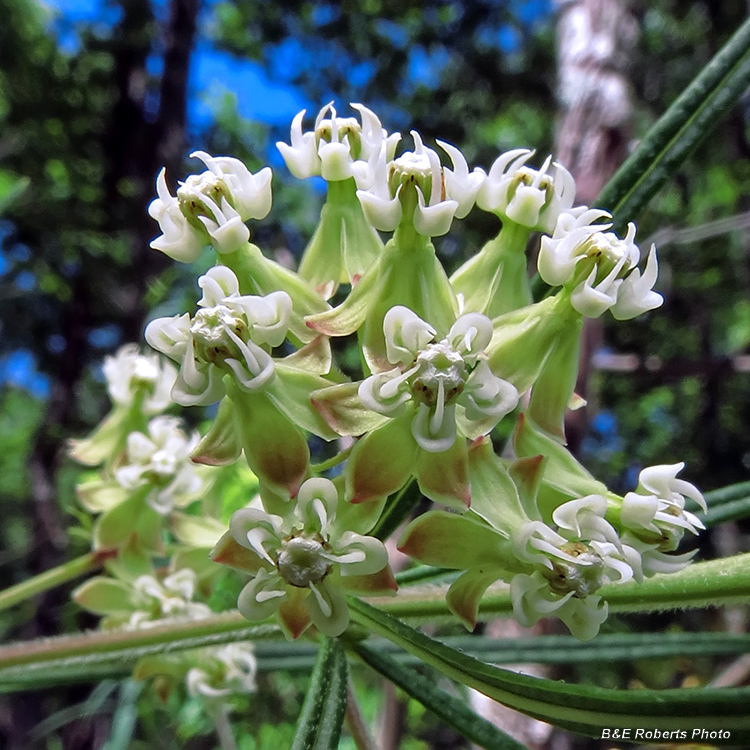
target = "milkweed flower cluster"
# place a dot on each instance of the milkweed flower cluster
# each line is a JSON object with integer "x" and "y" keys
{"x": 445, "y": 360}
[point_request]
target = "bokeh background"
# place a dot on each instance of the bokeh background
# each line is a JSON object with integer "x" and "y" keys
{"x": 97, "y": 95}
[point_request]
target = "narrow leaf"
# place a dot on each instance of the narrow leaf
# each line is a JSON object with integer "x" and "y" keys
{"x": 453, "y": 712}
{"x": 686, "y": 123}
{"x": 322, "y": 716}
{"x": 579, "y": 708}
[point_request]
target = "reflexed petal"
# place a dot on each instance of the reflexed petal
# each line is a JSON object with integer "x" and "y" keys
{"x": 219, "y": 446}
{"x": 636, "y": 294}
{"x": 444, "y": 476}
{"x": 105, "y": 596}
{"x": 275, "y": 448}
{"x": 449, "y": 540}
{"x": 381, "y": 462}
{"x": 228, "y": 552}
{"x": 494, "y": 496}
{"x": 294, "y": 616}
{"x": 466, "y": 592}
{"x": 342, "y": 408}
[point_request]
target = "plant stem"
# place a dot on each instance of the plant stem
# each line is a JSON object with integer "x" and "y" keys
{"x": 331, "y": 462}
{"x": 223, "y": 727}
{"x": 708, "y": 584}
{"x": 54, "y": 577}
{"x": 355, "y": 721}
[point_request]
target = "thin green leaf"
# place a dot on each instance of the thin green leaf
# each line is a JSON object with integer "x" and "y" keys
{"x": 689, "y": 120}
{"x": 579, "y": 708}
{"x": 730, "y": 510}
{"x": 125, "y": 718}
{"x": 319, "y": 726}
{"x": 453, "y": 712}
{"x": 725, "y": 494}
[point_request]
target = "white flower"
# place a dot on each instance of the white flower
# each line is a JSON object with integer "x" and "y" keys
{"x": 226, "y": 335}
{"x": 179, "y": 239}
{"x": 460, "y": 184}
{"x": 211, "y": 206}
{"x": 161, "y": 459}
{"x": 598, "y": 266}
{"x": 529, "y": 197}
{"x": 438, "y": 377}
{"x": 131, "y": 374}
{"x": 248, "y": 194}
{"x": 339, "y": 147}
{"x": 227, "y": 670}
{"x": 306, "y": 550}
{"x": 656, "y": 513}
{"x": 158, "y": 602}
{"x": 532, "y": 599}
{"x": 419, "y": 171}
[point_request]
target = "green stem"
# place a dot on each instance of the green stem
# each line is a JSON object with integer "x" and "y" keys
{"x": 331, "y": 462}
{"x": 54, "y": 577}
{"x": 708, "y": 584}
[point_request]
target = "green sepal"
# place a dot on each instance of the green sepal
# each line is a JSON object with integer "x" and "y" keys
{"x": 494, "y": 495}
{"x": 563, "y": 474}
{"x": 449, "y": 540}
{"x": 411, "y": 276}
{"x": 381, "y": 583}
{"x": 290, "y": 391}
{"x": 108, "y": 439}
{"x": 523, "y": 340}
{"x": 357, "y": 517}
{"x": 342, "y": 408}
{"x": 132, "y": 518}
{"x": 344, "y": 244}
{"x": 553, "y": 389}
{"x": 275, "y": 448}
{"x": 105, "y": 596}
{"x": 197, "y": 559}
{"x": 467, "y": 590}
{"x": 260, "y": 275}
{"x": 131, "y": 561}
{"x": 351, "y": 313}
{"x": 174, "y": 666}
{"x": 293, "y": 615}
{"x": 313, "y": 357}
{"x": 495, "y": 281}
{"x": 220, "y": 446}
{"x": 228, "y": 552}
{"x": 527, "y": 475}
{"x": 444, "y": 476}
{"x": 382, "y": 461}
{"x": 197, "y": 531}
{"x": 101, "y": 495}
